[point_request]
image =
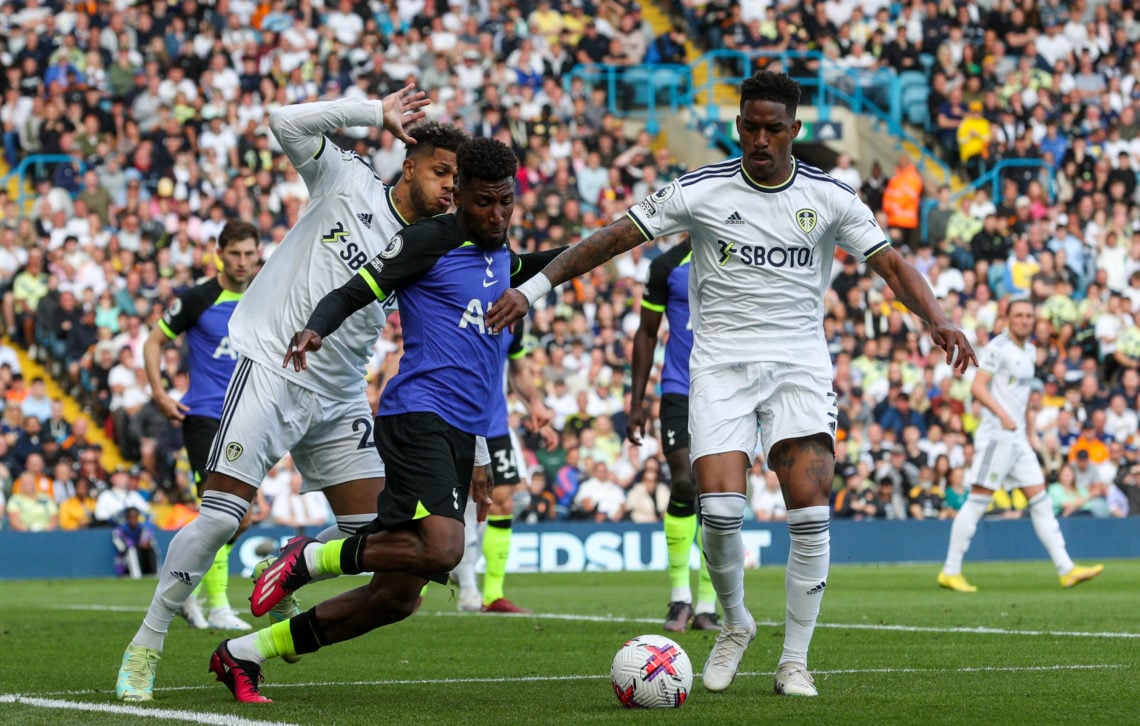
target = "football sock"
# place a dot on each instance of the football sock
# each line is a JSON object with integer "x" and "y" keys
{"x": 679, "y": 532}
{"x": 190, "y": 554}
{"x": 722, "y": 516}
{"x": 213, "y": 585}
{"x": 465, "y": 571}
{"x": 306, "y": 632}
{"x": 1049, "y": 532}
{"x": 324, "y": 560}
{"x": 496, "y": 549}
{"x": 962, "y": 531}
{"x": 706, "y": 595}
{"x": 345, "y": 526}
{"x": 805, "y": 579}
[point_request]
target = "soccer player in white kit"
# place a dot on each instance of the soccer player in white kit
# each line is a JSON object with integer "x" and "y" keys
{"x": 1003, "y": 456}
{"x": 764, "y": 230}
{"x": 322, "y": 416}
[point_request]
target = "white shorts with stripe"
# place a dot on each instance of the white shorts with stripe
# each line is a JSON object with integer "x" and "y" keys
{"x": 1004, "y": 461}
{"x": 266, "y": 415}
{"x": 787, "y": 400}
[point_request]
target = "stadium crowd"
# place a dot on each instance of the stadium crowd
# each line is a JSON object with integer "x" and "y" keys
{"x": 160, "y": 112}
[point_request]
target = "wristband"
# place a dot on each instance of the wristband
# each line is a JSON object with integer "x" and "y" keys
{"x": 535, "y": 288}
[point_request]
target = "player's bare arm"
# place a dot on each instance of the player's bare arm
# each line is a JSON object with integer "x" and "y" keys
{"x": 911, "y": 289}
{"x": 980, "y": 390}
{"x": 152, "y": 354}
{"x": 644, "y": 342}
{"x": 596, "y": 249}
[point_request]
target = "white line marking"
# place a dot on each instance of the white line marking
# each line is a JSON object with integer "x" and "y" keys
{"x": 599, "y": 676}
{"x": 215, "y": 719}
{"x": 571, "y": 617}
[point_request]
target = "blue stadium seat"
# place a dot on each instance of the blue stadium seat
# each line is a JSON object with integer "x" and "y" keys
{"x": 914, "y": 106}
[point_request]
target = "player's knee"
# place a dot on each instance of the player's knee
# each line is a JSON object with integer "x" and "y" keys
{"x": 442, "y": 554}
{"x": 683, "y": 492}
{"x": 387, "y": 606}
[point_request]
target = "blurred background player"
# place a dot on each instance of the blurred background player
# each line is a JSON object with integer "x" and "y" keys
{"x": 508, "y": 495}
{"x": 202, "y": 314}
{"x": 323, "y": 417}
{"x": 1005, "y": 458}
{"x": 667, "y": 295}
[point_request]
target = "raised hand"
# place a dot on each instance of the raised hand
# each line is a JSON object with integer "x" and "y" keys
{"x": 402, "y": 109}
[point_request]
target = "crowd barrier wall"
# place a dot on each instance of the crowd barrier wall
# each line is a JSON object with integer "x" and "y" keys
{"x": 579, "y": 547}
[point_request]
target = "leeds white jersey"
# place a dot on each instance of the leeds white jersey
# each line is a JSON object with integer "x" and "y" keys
{"x": 350, "y": 219}
{"x": 1012, "y": 368}
{"x": 762, "y": 258}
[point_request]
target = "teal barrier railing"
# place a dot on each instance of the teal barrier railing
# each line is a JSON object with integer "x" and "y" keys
{"x": 993, "y": 177}
{"x": 638, "y": 91}
{"x": 21, "y": 173}
{"x": 647, "y": 90}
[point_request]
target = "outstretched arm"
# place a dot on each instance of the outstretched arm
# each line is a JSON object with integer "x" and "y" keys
{"x": 599, "y": 247}
{"x": 330, "y": 313}
{"x": 911, "y": 289}
{"x": 644, "y": 342}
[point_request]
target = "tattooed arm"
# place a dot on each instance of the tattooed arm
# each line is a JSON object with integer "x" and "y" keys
{"x": 596, "y": 249}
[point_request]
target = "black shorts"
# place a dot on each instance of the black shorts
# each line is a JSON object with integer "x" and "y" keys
{"x": 428, "y": 468}
{"x": 674, "y": 422}
{"x": 504, "y": 468}
{"x": 198, "y": 436}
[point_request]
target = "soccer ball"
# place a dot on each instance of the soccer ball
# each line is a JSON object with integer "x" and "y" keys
{"x": 651, "y": 671}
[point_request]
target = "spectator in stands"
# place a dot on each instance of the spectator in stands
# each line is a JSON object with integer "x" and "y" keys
{"x": 112, "y": 503}
{"x": 648, "y": 498}
{"x": 901, "y": 200}
{"x": 31, "y": 509}
{"x": 599, "y": 498}
{"x": 974, "y": 138}
{"x": 78, "y": 510}
{"x": 542, "y": 506}
{"x": 767, "y": 500}
{"x": 855, "y": 500}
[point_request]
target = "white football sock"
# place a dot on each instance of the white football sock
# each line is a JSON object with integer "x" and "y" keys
{"x": 809, "y": 557}
{"x": 190, "y": 554}
{"x": 346, "y": 526}
{"x": 962, "y": 531}
{"x": 722, "y": 515}
{"x": 1049, "y": 532}
{"x": 472, "y": 546}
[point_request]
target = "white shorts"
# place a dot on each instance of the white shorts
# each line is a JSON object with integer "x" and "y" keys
{"x": 1006, "y": 461}
{"x": 266, "y": 415}
{"x": 787, "y": 400}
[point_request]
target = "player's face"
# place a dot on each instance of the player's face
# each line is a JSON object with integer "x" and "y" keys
{"x": 485, "y": 209}
{"x": 1021, "y": 320}
{"x": 432, "y": 182}
{"x": 766, "y": 132}
{"x": 239, "y": 262}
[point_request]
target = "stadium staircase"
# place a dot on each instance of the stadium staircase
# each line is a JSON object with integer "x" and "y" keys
{"x": 72, "y": 410}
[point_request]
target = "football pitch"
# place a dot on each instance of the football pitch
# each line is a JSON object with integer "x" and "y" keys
{"x": 891, "y": 648}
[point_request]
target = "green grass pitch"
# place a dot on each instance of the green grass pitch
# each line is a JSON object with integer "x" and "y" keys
{"x": 891, "y": 648}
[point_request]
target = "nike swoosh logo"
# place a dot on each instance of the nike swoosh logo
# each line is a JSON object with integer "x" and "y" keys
{"x": 488, "y": 283}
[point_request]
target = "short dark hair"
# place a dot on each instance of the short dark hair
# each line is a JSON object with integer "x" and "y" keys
{"x": 236, "y": 229}
{"x": 432, "y": 135}
{"x": 769, "y": 86}
{"x": 486, "y": 159}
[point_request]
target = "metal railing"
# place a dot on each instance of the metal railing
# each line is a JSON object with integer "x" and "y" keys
{"x": 993, "y": 176}
{"x": 20, "y": 173}
{"x": 638, "y": 91}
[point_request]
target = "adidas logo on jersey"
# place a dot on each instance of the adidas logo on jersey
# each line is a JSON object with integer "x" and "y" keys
{"x": 734, "y": 218}
{"x": 365, "y": 219}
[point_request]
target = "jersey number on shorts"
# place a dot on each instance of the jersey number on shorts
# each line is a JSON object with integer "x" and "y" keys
{"x": 365, "y": 439}
{"x": 505, "y": 466}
